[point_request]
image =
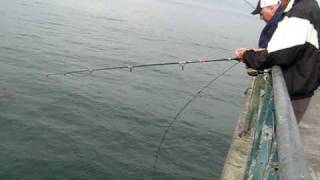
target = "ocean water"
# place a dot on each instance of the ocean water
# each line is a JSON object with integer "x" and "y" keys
{"x": 108, "y": 125}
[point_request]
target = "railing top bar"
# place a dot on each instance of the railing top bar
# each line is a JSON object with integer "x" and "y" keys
{"x": 292, "y": 161}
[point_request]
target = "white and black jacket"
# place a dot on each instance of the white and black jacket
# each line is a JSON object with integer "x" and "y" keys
{"x": 295, "y": 48}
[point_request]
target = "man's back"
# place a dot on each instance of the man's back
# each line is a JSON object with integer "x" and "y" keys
{"x": 295, "y": 47}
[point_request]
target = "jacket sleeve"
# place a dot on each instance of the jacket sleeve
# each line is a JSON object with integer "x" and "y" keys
{"x": 264, "y": 60}
{"x": 286, "y": 46}
{"x": 256, "y": 60}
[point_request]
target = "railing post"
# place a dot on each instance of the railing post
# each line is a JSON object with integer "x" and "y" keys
{"x": 290, "y": 148}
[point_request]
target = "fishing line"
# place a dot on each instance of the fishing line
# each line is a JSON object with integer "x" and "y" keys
{"x": 131, "y": 67}
{"x": 182, "y": 110}
{"x": 253, "y": 7}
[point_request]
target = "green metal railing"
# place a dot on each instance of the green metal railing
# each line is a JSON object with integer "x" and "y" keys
{"x": 263, "y": 159}
{"x": 277, "y": 151}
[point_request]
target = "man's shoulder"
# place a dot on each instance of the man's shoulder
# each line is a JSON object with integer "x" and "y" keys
{"x": 305, "y": 9}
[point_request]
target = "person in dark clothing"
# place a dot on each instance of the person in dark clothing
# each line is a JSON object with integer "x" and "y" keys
{"x": 294, "y": 46}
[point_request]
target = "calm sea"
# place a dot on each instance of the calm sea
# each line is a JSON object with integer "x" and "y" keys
{"x": 108, "y": 125}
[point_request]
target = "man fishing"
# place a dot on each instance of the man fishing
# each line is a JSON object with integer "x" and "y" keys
{"x": 270, "y": 11}
{"x": 294, "y": 46}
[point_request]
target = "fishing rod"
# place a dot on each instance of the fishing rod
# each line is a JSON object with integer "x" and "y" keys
{"x": 247, "y": 2}
{"x": 131, "y": 67}
{"x": 194, "y": 96}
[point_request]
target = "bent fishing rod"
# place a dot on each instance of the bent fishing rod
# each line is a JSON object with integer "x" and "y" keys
{"x": 178, "y": 115}
{"x": 131, "y": 67}
{"x": 249, "y": 4}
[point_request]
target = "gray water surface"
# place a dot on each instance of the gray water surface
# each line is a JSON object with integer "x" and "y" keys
{"x": 108, "y": 125}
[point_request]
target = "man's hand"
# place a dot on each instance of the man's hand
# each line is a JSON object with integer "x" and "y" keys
{"x": 239, "y": 53}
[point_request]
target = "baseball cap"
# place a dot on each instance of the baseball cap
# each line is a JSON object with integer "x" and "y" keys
{"x": 264, "y": 3}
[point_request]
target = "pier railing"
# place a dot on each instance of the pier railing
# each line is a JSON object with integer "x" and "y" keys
{"x": 290, "y": 148}
{"x": 270, "y": 147}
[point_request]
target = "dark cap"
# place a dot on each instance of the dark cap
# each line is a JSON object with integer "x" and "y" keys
{"x": 257, "y": 10}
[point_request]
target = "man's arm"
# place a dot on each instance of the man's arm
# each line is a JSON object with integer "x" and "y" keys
{"x": 287, "y": 45}
{"x": 263, "y": 60}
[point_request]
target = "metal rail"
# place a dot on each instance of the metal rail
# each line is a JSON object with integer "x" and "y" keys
{"x": 290, "y": 148}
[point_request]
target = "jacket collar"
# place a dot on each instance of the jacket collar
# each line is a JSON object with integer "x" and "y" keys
{"x": 289, "y": 6}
